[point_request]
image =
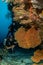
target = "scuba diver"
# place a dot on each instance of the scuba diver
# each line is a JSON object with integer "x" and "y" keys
{"x": 10, "y": 44}
{"x": 11, "y": 29}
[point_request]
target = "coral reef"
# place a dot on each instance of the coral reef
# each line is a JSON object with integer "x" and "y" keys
{"x": 38, "y": 56}
{"x": 29, "y": 34}
{"x": 27, "y": 15}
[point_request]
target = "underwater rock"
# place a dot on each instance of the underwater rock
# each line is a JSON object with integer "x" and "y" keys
{"x": 3, "y": 52}
{"x": 22, "y": 64}
{"x": 3, "y": 62}
{"x": 27, "y": 61}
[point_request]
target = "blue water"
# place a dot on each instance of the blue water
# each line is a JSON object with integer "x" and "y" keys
{"x": 4, "y": 21}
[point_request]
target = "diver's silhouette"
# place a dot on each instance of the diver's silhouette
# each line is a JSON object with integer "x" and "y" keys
{"x": 11, "y": 29}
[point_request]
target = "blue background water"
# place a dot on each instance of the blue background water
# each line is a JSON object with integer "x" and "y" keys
{"x": 4, "y": 21}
